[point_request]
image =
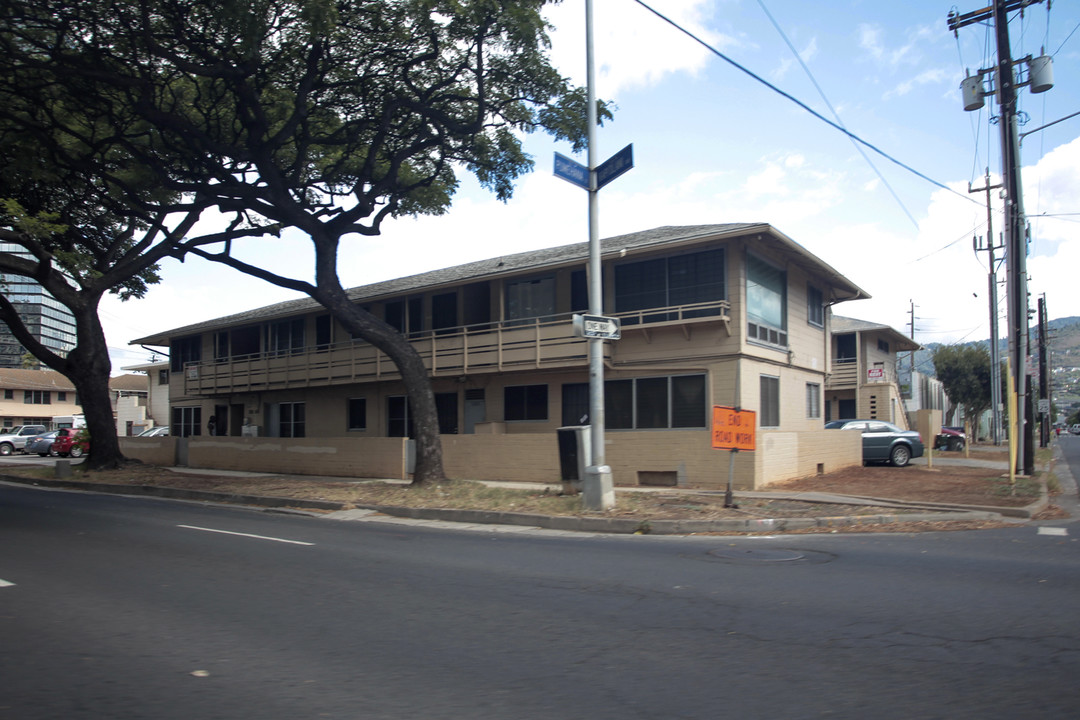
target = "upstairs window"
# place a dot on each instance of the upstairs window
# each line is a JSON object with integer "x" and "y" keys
{"x": 815, "y": 306}
{"x": 37, "y": 397}
{"x": 185, "y": 350}
{"x": 530, "y": 298}
{"x": 670, "y": 282}
{"x": 766, "y": 302}
{"x": 285, "y": 337}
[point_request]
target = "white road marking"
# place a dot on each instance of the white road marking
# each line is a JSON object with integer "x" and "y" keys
{"x": 1053, "y": 531}
{"x": 257, "y": 537}
{"x": 5, "y": 583}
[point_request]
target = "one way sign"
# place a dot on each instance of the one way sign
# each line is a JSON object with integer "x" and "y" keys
{"x": 597, "y": 326}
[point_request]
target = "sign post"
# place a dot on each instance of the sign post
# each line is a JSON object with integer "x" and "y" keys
{"x": 733, "y": 429}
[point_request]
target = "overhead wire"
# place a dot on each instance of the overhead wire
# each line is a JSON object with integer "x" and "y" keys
{"x": 800, "y": 103}
{"x": 813, "y": 80}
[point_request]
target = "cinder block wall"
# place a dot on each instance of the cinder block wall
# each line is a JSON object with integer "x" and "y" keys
{"x": 159, "y": 451}
{"x": 338, "y": 457}
{"x": 531, "y": 457}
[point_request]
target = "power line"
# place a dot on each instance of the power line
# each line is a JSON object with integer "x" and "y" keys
{"x": 798, "y": 102}
{"x": 836, "y": 114}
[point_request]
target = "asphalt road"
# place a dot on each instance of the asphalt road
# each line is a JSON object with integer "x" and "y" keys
{"x": 118, "y": 608}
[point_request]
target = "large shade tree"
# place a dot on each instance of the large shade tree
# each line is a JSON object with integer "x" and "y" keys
{"x": 328, "y": 116}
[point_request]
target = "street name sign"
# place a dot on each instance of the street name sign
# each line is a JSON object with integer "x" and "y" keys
{"x": 597, "y": 326}
{"x": 615, "y": 166}
{"x": 571, "y": 171}
{"x": 733, "y": 429}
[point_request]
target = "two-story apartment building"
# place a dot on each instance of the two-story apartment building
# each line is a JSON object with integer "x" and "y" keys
{"x": 38, "y": 397}
{"x": 863, "y": 382}
{"x": 734, "y": 314}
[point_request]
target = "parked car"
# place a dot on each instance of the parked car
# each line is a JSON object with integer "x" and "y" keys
{"x": 159, "y": 431}
{"x": 882, "y": 441}
{"x": 41, "y": 444}
{"x": 69, "y": 443}
{"x": 950, "y": 438}
{"x": 18, "y": 436}
{"x": 1075, "y": 429}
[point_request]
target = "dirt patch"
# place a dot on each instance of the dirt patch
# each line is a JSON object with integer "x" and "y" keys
{"x": 945, "y": 484}
{"x": 952, "y": 485}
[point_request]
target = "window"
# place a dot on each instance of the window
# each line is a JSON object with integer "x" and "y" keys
{"x": 882, "y": 346}
{"x": 525, "y": 402}
{"x": 37, "y": 397}
{"x": 532, "y": 298}
{"x": 185, "y": 350}
{"x": 575, "y": 404}
{"x": 186, "y": 421}
{"x": 221, "y": 346}
{"x": 406, "y": 316}
{"x": 813, "y": 400}
{"x": 670, "y": 281}
{"x": 815, "y": 306}
{"x": 398, "y": 417}
{"x": 766, "y": 302}
{"x": 291, "y": 420}
{"x": 769, "y": 414}
{"x": 446, "y": 405}
{"x": 652, "y": 403}
{"x": 9, "y": 394}
{"x": 579, "y": 291}
{"x": 61, "y": 396}
{"x": 324, "y": 332}
{"x": 357, "y": 419}
{"x": 163, "y": 377}
{"x": 443, "y": 312}
{"x": 285, "y": 337}
{"x": 245, "y": 341}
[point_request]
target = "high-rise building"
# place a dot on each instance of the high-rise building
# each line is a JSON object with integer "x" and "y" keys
{"x": 44, "y": 316}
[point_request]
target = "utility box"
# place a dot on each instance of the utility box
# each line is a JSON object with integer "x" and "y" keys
{"x": 249, "y": 431}
{"x": 575, "y": 454}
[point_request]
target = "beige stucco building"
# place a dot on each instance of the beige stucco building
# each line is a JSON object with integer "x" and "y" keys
{"x": 730, "y": 315}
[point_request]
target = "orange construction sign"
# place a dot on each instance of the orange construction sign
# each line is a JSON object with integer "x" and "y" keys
{"x": 733, "y": 429}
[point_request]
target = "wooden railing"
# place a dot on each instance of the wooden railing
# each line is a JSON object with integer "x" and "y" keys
{"x": 537, "y": 343}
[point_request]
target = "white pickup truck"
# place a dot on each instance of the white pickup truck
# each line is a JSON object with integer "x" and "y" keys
{"x": 15, "y": 439}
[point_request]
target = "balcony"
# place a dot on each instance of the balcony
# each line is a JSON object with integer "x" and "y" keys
{"x": 845, "y": 375}
{"x": 512, "y": 345}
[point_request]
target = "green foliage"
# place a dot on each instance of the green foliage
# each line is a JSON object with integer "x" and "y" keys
{"x": 964, "y": 370}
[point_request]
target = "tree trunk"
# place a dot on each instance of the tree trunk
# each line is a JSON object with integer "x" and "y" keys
{"x": 429, "y": 459}
{"x": 88, "y": 367}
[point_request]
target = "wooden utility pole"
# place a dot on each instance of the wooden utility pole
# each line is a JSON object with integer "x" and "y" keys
{"x": 995, "y": 359}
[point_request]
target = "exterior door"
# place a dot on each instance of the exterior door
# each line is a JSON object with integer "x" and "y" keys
{"x": 475, "y": 410}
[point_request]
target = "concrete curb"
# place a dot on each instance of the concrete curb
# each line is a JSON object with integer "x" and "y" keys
{"x": 577, "y": 523}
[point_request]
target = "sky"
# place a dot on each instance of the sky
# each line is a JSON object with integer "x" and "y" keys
{"x": 714, "y": 145}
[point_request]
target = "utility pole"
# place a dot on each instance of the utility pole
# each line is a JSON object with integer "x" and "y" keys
{"x": 995, "y": 360}
{"x": 1040, "y": 80}
{"x": 1044, "y": 391}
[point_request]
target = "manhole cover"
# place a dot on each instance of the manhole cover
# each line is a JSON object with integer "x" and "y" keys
{"x": 762, "y": 555}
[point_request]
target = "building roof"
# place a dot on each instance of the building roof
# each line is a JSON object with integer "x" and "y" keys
{"x": 20, "y": 379}
{"x": 537, "y": 260}
{"x": 130, "y": 383}
{"x": 901, "y": 342}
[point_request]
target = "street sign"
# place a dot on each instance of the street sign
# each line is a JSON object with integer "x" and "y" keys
{"x": 1044, "y": 406}
{"x": 615, "y": 166}
{"x": 572, "y": 171}
{"x": 733, "y": 429}
{"x": 597, "y": 326}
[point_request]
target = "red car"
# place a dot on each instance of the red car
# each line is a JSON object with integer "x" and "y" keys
{"x": 69, "y": 443}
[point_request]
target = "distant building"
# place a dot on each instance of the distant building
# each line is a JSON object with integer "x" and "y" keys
{"x": 45, "y": 317}
{"x": 38, "y": 397}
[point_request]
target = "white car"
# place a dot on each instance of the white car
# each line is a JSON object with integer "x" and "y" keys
{"x": 1075, "y": 429}
{"x": 158, "y": 431}
{"x": 17, "y": 437}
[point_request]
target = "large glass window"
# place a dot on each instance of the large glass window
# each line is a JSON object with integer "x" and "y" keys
{"x": 186, "y": 421}
{"x": 766, "y": 302}
{"x": 37, "y": 397}
{"x": 575, "y": 404}
{"x": 398, "y": 417}
{"x": 292, "y": 422}
{"x": 446, "y": 408}
{"x": 530, "y": 298}
{"x": 769, "y": 414}
{"x": 444, "y": 312}
{"x": 285, "y": 337}
{"x": 185, "y": 350}
{"x": 669, "y": 282}
{"x": 525, "y": 402}
{"x": 658, "y": 402}
{"x": 406, "y": 316}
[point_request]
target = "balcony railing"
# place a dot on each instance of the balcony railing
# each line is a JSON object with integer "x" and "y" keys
{"x": 845, "y": 374}
{"x": 535, "y": 343}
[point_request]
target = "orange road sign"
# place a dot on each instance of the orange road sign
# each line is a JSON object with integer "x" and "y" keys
{"x": 733, "y": 429}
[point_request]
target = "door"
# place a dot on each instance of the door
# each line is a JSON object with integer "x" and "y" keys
{"x": 845, "y": 410}
{"x": 877, "y": 441}
{"x": 475, "y": 409}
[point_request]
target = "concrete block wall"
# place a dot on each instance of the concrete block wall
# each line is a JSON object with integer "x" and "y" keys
{"x": 160, "y": 451}
{"x": 530, "y": 457}
{"x": 337, "y": 457}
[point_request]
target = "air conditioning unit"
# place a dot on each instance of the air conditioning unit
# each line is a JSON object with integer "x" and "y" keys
{"x": 249, "y": 431}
